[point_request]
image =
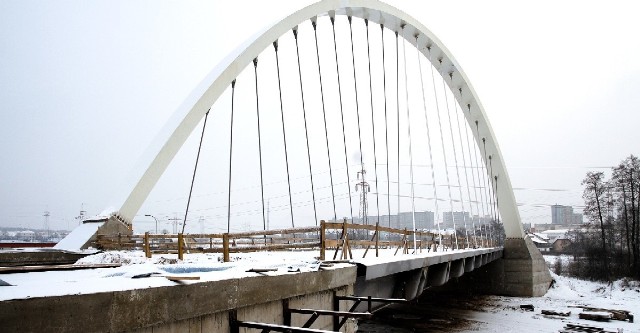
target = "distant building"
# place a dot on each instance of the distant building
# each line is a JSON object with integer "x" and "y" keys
{"x": 457, "y": 218}
{"x": 560, "y": 245}
{"x": 564, "y": 215}
{"x": 577, "y": 218}
{"x": 424, "y": 220}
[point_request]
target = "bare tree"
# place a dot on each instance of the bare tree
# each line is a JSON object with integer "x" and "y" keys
{"x": 594, "y": 195}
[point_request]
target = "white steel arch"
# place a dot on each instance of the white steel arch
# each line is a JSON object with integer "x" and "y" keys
{"x": 191, "y": 112}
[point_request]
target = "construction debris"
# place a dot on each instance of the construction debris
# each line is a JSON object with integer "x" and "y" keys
{"x": 615, "y": 314}
{"x": 596, "y": 316}
{"x": 527, "y": 307}
{"x": 182, "y": 278}
{"x": 571, "y": 328}
{"x": 262, "y": 270}
{"x": 556, "y": 313}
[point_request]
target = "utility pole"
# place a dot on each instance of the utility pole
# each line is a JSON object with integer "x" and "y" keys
{"x": 80, "y": 218}
{"x": 201, "y": 222}
{"x": 364, "y": 186}
{"x": 174, "y": 220}
{"x": 46, "y": 222}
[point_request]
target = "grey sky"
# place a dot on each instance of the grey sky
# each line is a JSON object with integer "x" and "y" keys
{"x": 85, "y": 87}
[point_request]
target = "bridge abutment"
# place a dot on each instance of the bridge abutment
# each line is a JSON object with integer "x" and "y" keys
{"x": 525, "y": 272}
{"x": 521, "y": 272}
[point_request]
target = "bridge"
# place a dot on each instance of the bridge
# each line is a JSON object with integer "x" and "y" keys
{"x": 338, "y": 91}
{"x": 353, "y": 113}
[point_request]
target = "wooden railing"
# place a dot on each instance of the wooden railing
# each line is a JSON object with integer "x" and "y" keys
{"x": 341, "y": 237}
{"x": 226, "y": 243}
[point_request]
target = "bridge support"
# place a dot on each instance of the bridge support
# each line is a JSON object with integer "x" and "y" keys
{"x": 521, "y": 271}
{"x": 524, "y": 270}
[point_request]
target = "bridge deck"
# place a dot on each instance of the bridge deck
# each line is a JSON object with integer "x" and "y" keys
{"x": 208, "y": 268}
{"x": 373, "y": 267}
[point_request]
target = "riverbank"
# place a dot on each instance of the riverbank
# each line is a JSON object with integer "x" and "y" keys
{"x": 455, "y": 312}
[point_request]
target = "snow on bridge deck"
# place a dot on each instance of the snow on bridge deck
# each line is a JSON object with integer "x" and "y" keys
{"x": 208, "y": 267}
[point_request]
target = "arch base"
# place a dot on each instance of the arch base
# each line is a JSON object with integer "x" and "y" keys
{"x": 521, "y": 272}
{"x": 524, "y": 270}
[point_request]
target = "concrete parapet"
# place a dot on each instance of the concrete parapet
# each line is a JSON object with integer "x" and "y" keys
{"x": 192, "y": 307}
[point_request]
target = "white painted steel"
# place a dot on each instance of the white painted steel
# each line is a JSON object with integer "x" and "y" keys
{"x": 186, "y": 118}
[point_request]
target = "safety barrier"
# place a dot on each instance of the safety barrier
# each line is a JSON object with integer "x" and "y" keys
{"x": 341, "y": 237}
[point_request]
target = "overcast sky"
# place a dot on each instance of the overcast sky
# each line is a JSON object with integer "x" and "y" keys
{"x": 85, "y": 86}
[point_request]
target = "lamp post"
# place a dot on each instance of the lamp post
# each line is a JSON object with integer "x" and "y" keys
{"x": 148, "y": 215}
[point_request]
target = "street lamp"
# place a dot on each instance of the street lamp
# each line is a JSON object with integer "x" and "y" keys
{"x": 148, "y": 215}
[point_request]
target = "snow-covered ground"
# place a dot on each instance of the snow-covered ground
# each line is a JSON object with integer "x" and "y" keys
{"x": 466, "y": 313}
{"x": 505, "y": 313}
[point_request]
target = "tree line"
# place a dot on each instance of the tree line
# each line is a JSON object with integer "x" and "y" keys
{"x": 608, "y": 247}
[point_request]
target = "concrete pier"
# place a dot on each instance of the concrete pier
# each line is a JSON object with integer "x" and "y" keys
{"x": 521, "y": 271}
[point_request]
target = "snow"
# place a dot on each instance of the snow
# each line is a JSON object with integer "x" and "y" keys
{"x": 79, "y": 236}
{"x": 209, "y": 267}
{"x": 566, "y": 295}
{"x": 497, "y": 313}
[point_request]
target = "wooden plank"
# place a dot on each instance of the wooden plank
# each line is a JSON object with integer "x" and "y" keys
{"x": 182, "y": 278}
{"x": 597, "y": 316}
{"x": 40, "y": 268}
{"x": 274, "y": 232}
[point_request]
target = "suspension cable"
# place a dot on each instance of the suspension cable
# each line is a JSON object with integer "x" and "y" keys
{"x": 255, "y": 71}
{"x": 481, "y": 181}
{"x": 233, "y": 91}
{"x": 386, "y": 125}
{"x": 426, "y": 121}
{"x": 487, "y": 189}
{"x": 306, "y": 132}
{"x": 324, "y": 114}
{"x": 344, "y": 136}
{"x": 494, "y": 187}
{"x": 195, "y": 168}
{"x": 406, "y": 96}
{"x": 444, "y": 153}
{"x": 355, "y": 84}
{"x": 455, "y": 156}
{"x": 466, "y": 174}
{"x": 488, "y": 178}
{"x": 284, "y": 134}
{"x": 373, "y": 125}
{"x": 398, "y": 118}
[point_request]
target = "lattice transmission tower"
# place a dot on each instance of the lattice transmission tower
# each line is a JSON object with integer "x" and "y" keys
{"x": 364, "y": 189}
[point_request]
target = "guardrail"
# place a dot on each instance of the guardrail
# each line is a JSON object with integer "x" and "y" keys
{"x": 341, "y": 237}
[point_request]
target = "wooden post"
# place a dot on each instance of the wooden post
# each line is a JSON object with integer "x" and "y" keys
{"x": 345, "y": 239}
{"x": 180, "y": 246}
{"x": 377, "y": 237}
{"x": 147, "y": 246}
{"x": 323, "y": 238}
{"x": 225, "y": 247}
